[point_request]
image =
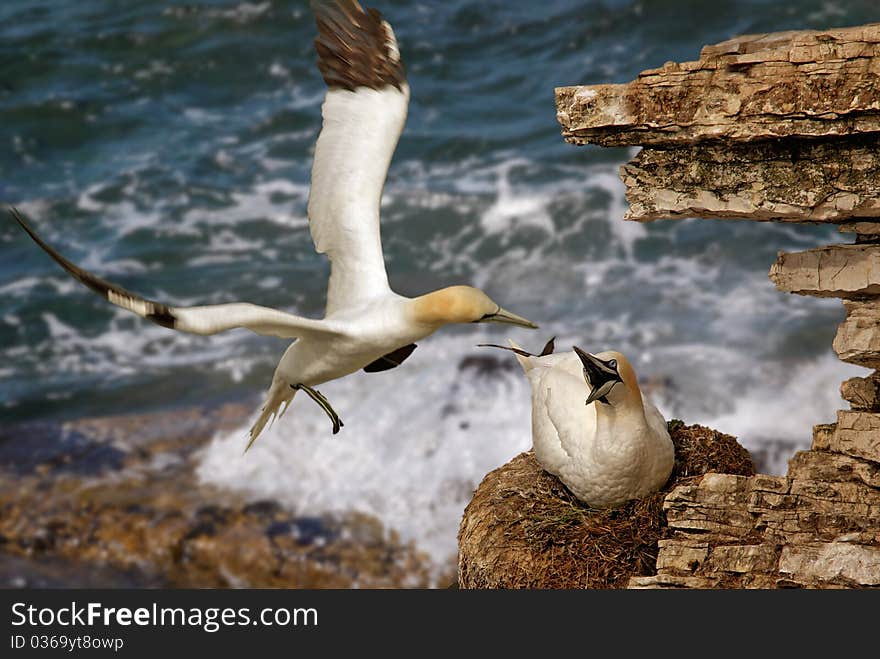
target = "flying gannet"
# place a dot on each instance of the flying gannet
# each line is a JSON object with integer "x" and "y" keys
{"x": 592, "y": 428}
{"x": 366, "y": 324}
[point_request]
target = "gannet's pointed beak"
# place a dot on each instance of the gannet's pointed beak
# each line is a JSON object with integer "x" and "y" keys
{"x": 504, "y": 316}
{"x": 600, "y": 375}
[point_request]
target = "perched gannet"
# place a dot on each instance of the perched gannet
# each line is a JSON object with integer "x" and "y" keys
{"x": 592, "y": 428}
{"x": 366, "y": 324}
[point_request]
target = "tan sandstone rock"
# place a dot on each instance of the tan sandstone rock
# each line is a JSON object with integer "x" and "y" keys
{"x": 843, "y": 271}
{"x": 831, "y": 467}
{"x": 857, "y": 434}
{"x": 858, "y": 337}
{"x": 840, "y": 563}
{"x": 756, "y": 87}
{"x": 862, "y": 393}
{"x": 862, "y": 227}
{"x": 781, "y": 180}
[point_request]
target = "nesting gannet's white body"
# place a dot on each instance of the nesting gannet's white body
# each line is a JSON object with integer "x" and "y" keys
{"x": 605, "y": 452}
{"x": 366, "y": 325}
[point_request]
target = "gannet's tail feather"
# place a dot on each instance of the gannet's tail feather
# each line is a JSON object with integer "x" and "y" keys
{"x": 209, "y": 319}
{"x": 524, "y": 358}
{"x": 549, "y": 347}
{"x": 280, "y": 393}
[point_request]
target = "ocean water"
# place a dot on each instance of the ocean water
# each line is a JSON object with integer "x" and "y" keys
{"x": 167, "y": 146}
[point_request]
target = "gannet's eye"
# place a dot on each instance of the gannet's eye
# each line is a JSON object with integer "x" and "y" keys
{"x": 612, "y": 364}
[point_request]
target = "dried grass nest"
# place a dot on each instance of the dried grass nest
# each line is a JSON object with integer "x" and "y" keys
{"x": 524, "y": 529}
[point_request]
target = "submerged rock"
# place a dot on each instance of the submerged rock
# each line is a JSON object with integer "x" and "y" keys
{"x": 54, "y": 572}
{"x": 118, "y": 499}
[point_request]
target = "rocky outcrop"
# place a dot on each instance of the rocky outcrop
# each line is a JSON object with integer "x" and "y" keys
{"x": 858, "y": 337}
{"x": 842, "y": 271}
{"x": 758, "y": 87}
{"x": 817, "y": 527}
{"x": 826, "y": 180}
{"x": 782, "y": 127}
{"x": 862, "y": 393}
{"x": 850, "y": 272}
{"x": 769, "y": 127}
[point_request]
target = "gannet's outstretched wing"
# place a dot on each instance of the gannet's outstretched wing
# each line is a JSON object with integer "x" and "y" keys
{"x": 364, "y": 112}
{"x": 198, "y": 320}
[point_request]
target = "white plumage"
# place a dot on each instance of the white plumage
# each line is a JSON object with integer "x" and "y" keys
{"x": 605, "y": 452}
{"x": 352, "y": 156}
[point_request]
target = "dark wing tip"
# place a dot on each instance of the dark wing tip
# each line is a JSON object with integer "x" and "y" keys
{"x": 162, "y": 315}
{"x": 159, "y": 313}
{"x": 18, "y": 217}
{"x": 356, "y": 48}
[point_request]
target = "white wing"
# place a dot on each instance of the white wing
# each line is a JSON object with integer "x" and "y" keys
{"x": 197, "y": 320}
{"x": 364, "y": 113}
{"x": 262, "y": 320}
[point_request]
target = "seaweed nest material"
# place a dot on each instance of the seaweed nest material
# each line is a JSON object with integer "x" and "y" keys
{"x": 524, "y": 529}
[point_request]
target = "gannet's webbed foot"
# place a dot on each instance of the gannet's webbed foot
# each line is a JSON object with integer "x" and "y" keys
{"x": 318, "y": 397}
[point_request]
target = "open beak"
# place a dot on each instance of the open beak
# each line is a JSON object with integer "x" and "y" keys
{"x": 504, "y": 316}
{"x": 600, "y": 392}
{"x": 601, "y": 378}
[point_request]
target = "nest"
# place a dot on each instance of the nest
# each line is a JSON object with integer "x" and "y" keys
{"x": 524, "y": 529}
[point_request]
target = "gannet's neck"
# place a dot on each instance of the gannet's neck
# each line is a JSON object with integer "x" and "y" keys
{"x": 620, "y": 425}
{"x": 632, "y": 395}
{"x": 630, "y": 410}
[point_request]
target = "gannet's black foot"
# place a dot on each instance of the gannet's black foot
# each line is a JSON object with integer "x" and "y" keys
{"x": 318, "y": 397}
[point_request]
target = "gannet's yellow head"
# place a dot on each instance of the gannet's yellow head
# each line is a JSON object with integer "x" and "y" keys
{"x": 463, "y": 304}
{"x": 604, "y": 371}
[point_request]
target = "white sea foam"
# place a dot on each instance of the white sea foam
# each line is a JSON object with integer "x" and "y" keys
{"x": 242, "y": 13}
{"x": 521, "y": 209}
{"x": 201, "y": 117}
{"x": 785, "y": 405}
{"x": 20, "y": 287}
{"x": 627, "y": 233}
{"x": 277, "y": 200}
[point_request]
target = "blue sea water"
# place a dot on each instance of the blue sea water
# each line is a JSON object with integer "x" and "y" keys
{"x": 167, "y": 146}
